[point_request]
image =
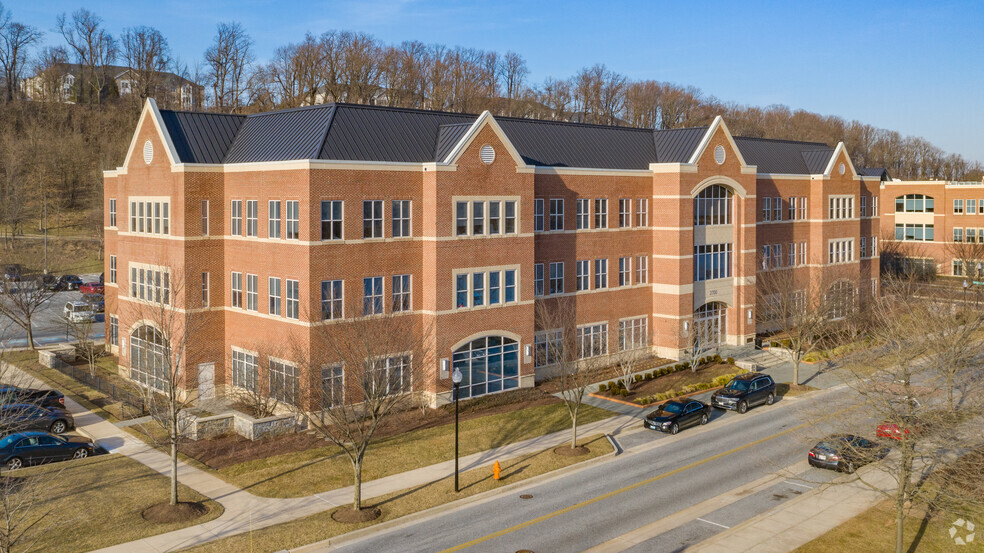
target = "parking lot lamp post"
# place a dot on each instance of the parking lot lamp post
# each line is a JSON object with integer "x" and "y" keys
{"x": 966, "y": 284}
{"x": 456, "y": 379}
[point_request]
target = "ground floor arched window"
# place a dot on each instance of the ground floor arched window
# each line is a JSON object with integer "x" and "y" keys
{"x": 149, "y": 357}
{"x": 710, "y": 323}
{"x": 488, "y": 365}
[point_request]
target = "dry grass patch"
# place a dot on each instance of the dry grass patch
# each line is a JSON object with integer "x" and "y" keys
{"x": 792, "y": 390}
{"x": 322, "y": 526}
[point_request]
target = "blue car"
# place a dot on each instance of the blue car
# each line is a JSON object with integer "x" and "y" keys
{"x": 32, "y": 448}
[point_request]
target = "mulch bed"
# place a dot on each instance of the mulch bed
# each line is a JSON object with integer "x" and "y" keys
{"x": 351, "y": 516}
{"x": 673, "y": 381}
{"x": 603, "y": 374}
{"x": 164, "y": 513}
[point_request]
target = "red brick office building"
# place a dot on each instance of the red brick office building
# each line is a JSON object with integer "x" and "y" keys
{"x": 272, "y": 224}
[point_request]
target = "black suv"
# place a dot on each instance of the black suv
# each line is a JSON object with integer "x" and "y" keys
{"x": 744, "y": 391}
{"x": 45, "y": 398}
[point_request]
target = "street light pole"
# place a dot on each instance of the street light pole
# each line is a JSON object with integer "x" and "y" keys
{"x": 456, "y": 379}
{"x": 965, "y": 286}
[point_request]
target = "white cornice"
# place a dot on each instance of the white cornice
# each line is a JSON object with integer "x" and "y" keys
{"x": 704, "y": 142}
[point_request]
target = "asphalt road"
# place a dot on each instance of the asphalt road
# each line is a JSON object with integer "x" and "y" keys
{"x": 49, "y": 327}
{"x": 656, "y": 476}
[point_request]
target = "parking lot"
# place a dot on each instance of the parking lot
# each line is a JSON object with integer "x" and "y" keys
{"x": 48, "y": 324}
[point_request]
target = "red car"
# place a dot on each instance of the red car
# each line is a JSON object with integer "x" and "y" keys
{"x": 895, "y": 431}
{"x": 92, "y": 288}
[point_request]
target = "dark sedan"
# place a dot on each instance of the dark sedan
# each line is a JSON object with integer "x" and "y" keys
{"x": 19, "y": 417}
{"x": 33, "y": 448}
{"x": 97, "y": 301}
{"x": 673, "y": 416}
{"x": 69, "y": 282}
{"x": 44, "y": 398}
{"x": 845, "y": 453}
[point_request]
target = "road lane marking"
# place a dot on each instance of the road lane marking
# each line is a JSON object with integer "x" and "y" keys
{"x": 624, "y": 489}
{"x": 714, "y": 523}
{"x": 800, "y": 485}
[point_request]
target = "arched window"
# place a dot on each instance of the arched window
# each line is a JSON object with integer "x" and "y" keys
{"x": 149, "y": 357}
{"x": 710, "y": 323}
{"x": 914, "y": 203}
{"x": 488, "y": 364}
{"x": 712, "y": 206}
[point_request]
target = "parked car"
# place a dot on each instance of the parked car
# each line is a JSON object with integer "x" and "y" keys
{"x": 79, "y": 311}
{"x": 32, "y": 448}
{"x": 44, "y": 398}
{"x": 12, "y": 271}
{"x": 675, "y": 415}
{"x": 845, "y": 452}
{"x": 97, "y": 301}
{"x": 92, "y": 288}
{"x": 70, "y": 282}
{"x": 48, "y": 282}
{"x": 907, "y": 426}
{"x": 744, "y": 391}
{"x": 19, "y": 417}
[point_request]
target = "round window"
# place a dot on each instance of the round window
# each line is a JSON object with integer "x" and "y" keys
{"x": 148, "y": 152}
{"x": 487, "y": 154}
{"x": 842, "y": 168}
{"x": 719, "y": 154}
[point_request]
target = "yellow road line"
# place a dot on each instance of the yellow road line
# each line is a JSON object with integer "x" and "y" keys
{"x": 630, "y": 487}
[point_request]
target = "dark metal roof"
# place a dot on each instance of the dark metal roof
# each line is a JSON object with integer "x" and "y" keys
{"x": 783, "y": 156}
{"x": 371, "y": 133}
{"x": 201, "y": 137}
{"x": 873, "y": 172}
{"x": 553, "y": 144}
{"x": 448, "y": 137}
{"x": 677, "y": 145}
{"x": 282, "y": 135}
{"x": 817, "y": 160}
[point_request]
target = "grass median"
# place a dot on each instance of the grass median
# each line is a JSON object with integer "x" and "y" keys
{"x": 322, "y": 526}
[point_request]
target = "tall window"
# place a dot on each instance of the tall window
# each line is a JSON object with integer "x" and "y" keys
{"x": 792, "y": 208}
{"x": 841, "y": 251}
{"x": 971, "y": 207}
{"x": 478, "y": 218}
{"x": 284, "y": 382}
{"x": 495, "y": 218}
{"x": 331, "y": 299}
{"x": 204, "y": 217}
{"x": 388, "y": 376}
{"x": 601, "y": 213}
{"x": 538, "y": 214}
{"x": 583, "y": 275}
{"x": 478, "y": 288}
{"x": 273, "y": 223}
{"x": 461, "y": 218}
{"x": 112, "y": 269}
{"x": 583, "y": 208}
{"x": 958, "y": 207}
{"x": 802, "y": 207}
{"x": 372, "y": 295}
{"x": 372, "y": 219}
{"x": 252, "y": 293}
{"x": 244, "y": 370}
{"x": 332, "y": 387}
{"x": 293, "y": 299}
{"x": 957, "y": 234}
{"x": 766, "y": 208}
{"x": 252, "y": 217}
{"x": 548, "y": 347}
{"x": 792, "y": 254}
{"x": 556, "y": 214}
{"x": 601, "y": 274}
{"x": 538, "y": 279}
{"x": 801, "y": 252}
{"x": 592, "y": 340}
{"x": 557, "y": 277}
{"x": 237, "y": 289}
{"x": 488, "y": 365}
{"x": 510, "y": 208}
{"x": 401, "y": 218}
{"x": 114, "y": 330}
{"x": 401, "y": 293}
{"x": 712, "y": 261}
{"x": 275, "y": 296}
{"x": 624, "y": 271}
{"x": 863, "y": 247}
{"x": 777, "y": 209}
{"x": 624, "y": 212}
{"x": 149, "y": 357}
{"x": 112, "y": 212}
{"x": 293, "y": 230}
{"x": 205, "y": 286}
{"x": 642, "y": 212}
{"x": 236, "y": 228}
{"x": 633, "y": 334}
{"x": 864, "y": 206}
{"x": 841, "y": 207}
{"x": 712, "y": 206}
{"x": 642, "y": 269}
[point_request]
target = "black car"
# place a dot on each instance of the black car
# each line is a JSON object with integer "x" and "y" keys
{"x": 674, "y": 415}
{"x": 32, "y": 448}
{"x": 12, "y": 271}
{"x": 97, "y": 301}
{"x": 20, "y": 417}
{"x": 44, "y": 398}
{"x": 69, "y": 282}
{"x": 744, "y": 391}
{"x": 845, "y": 452}
{"x": 48, "y": 282}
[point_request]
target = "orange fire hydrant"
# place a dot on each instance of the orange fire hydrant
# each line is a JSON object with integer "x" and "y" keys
{"x": 496, "y": 470}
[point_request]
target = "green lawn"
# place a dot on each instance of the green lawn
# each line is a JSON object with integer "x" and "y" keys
{"x": 97, "y": 502}
{"x": 321, "y": 526}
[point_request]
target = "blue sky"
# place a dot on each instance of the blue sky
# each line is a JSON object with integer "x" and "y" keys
{"x": 911, "y": 66}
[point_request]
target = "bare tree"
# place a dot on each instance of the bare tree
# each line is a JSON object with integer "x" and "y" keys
{"x": 16, "y": 40}
{"x": 94, "y": 49}
{"x": 80, "y": 328}
{"x": 147, "y": 55}
{"x": 967, "y": 256}
{"x": 698, "y": 342}
{"x": 50, "y": 73}
{"x": 370, "y": 367}
{"x": 627, "y": 362}
{"x": 229, "y": 62}
{"x": 20, "y": 301}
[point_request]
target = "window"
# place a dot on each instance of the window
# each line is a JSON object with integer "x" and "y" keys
{"x": 252, "y": 294}
{"x": 592, "y": 340}
{"x": 841, "y": 251}
{"x": 501, "y": 217}
{"x": 642, "y": 212}
{"x": 510, "y": 208}
{"x": 401, "y": 293}
{"x": 157, "y": 217}
{"x": 332, "y": 292}
{"x": 388, "y": 376}
{"x": 274, "y": 293}
{"x": 958, "y": 235}
{"x": 910, "y": 203}
{"x": 332, "y": 387}
{"x": 293, "y": 230}
{"x": 501, "y": 286}
{"x": 957, "y": 267}
{"x": 791, "y": 254}
{"x": 582, "y": 282}
{"x": 557, "y": 277}
{"x": 801, "y": 251}
{"x": 488, "y": 365}
{"x": 495, "y": 288}
{"x": 766, "y": 208}
{"x": 601, "y": 213}
{"x": 478, "y": 218}
{"x": 114, "y": 330}
{"x": 712, "y": 261}
{"x": 236, "y": 228}
{"x": 971, "y": 207}
{"x": 252, "y": 217}
{"x": 840, "y": 296}
{"x": 642, "y": 269}
{"x": 601, "y": 274}
{"x": 112, "y": 212}
{"x": 624, "y": 213}
{"x": 777, "y": 254}
{"x": 237, "y": 289}
{"x": 766, "y": 257}
{"x": 792, "y": 208}
{"x": 112, "y": 269}
{"x": 461, "y": 290}
{"x": 874, "y": 206}
{"x": 712, "y": 206}
{"x": 538, "y": 214}
{"x": 624, "y": 271}
{"x": 874, "y": 246}
{"x": 461, "y": 218}
{"x": 149, "y": 357}
{"x": 556, "y": 214}
{"x": 244, "y": 370}
{"x": 633, "y": 334}
{"x": 401, "y": 218}
{"x": 971, "y": 235}
{"x": 204, "y": 217}
{"x": 478, "y": 289}
{"x": 841, "y": 207}
{"x": 802, "y": 207}
{"x": 864, "y": 206}
{"x": 777, "y": 209}
{"x": 538, "y": 279}
{"x": 583, "y": 208}
{"x": 863, "y": 248}
{"x": 284, "y": 382}
{"x": 510, "y": 285}
{"x": 293, "y": 299}
{"x": 273, "y": 219}
{"x": 372, "y": 295}
{"x": 495, "y": 218}
{"x": 372, "y": 219}
{"x": 914, "y": 232}
{"x": 149, "y": 217}
{"x": 958, "y": 207}
{"x": 205, "y": 283}
{"x": 133, "y": 216}
{"x": 547, "y": 347}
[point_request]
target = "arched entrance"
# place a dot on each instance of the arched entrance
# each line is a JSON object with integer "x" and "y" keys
{"x": 149, "y": 357}
{"x": 710, "y": 323}
{"x": 488, "y": 365}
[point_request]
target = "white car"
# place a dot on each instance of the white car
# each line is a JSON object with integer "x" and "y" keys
{"x": 79, "y": 311}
